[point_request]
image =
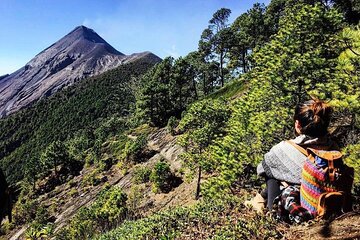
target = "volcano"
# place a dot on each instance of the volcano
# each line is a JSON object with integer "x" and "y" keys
{"x": 81, "y": 53}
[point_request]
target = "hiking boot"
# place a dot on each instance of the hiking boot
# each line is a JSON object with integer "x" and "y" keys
{"x": 257, "y": 203}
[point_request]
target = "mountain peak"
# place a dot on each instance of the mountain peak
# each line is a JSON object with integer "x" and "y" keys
{"x": 79, "y": 54}
{"x": 83, "y": 29}
{"x": 82, "y": 32}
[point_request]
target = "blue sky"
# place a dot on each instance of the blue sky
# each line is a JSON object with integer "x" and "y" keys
{"x": 164, "y": 27}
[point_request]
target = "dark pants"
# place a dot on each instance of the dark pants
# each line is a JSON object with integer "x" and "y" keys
{"x": 271, "y": 191}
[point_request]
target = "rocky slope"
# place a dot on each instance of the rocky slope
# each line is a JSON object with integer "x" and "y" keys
{"x": 163, "y": 146}
{"x": 79, "y": 54}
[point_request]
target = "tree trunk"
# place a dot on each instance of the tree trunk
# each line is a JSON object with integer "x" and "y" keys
{"x": 152, "y": 108}
{"x": 243, "y": 60}
{"x": 197, "y": 194}
{"x": 221, "y": 69}
{"x": 204, "y": 84}
{"x": 194, "y": 86}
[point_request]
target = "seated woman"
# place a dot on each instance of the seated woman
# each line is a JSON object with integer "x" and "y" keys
{"x": 282, "y": 165}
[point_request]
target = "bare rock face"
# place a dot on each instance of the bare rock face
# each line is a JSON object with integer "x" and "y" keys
{"x": 4, "y": 76}
{"x": 81, "y": 53}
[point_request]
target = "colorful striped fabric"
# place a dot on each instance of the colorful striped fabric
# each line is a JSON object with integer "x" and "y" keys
{"x": 313, "y": 184}
{"x": 325, "y": 187}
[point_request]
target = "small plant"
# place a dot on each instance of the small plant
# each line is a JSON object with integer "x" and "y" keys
{"x": 160, "y": 177}
{"x": 91, "y": 179}
{"x": 25, "y": 211}
{"x": 136, "y": 195}
{"x": 71, "y": 183}
{"x": 217, "y": 220}
{"x": 105, "y": 163}
{"x": 90, "y": 158}
{"x": 6, "y": 227}
{"x": 141, "y": 175}
{"x": 42, "y": 215}
{"x": 134, "y": 148}
{"x": 108, "y": 210}
{"x": 171, "y": 125}
{"x": 73, "y": 192}
{"x": 38, "y": 231}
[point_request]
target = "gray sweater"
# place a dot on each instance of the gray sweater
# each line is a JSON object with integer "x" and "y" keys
{"x": 284, "y": 162}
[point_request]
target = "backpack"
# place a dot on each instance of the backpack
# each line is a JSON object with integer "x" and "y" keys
{"x": 326, "y": 182}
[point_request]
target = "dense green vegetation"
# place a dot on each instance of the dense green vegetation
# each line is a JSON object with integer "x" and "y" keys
{"x": 229, "y": 101}
{"x": 161, "y": 177}
{"x": 204, "y": 122}
{"x": 280, "y": 55}
{"x": 295, "y": 51}
{"x": 108, "y": 210}
{"x": 165, "y": 91}
{"x": 287, "y": 70}
{"x": 82, "y": 116}
{"x": 208, "y": 220}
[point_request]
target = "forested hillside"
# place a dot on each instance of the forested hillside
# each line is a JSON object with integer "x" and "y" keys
{"x": 282, "y": 54}
{"x": 79, "y": 115}
{"x": 225, "y": 104}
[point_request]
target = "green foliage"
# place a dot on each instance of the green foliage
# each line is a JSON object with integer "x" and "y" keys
{"x": 134, "y": 148}
{"x": 6, "y": 227}
{"x": 286, "y": 52}
{"x": 91, "y": 179}
{"x": 108, "y": 210}
{"x": 54, "y": 155}
{"x": 205, "y": 72}
{"x": 203, "y": 122}
{"x": 109, "y": 128}
{"x": 141, "y": 175}
{"x": 215, "y": 44}
{"x": 40, "y": 228}
{"x": 74, "y": 192}
{"x": 350, "y": 10}
{"x": 207, "y": 220}
{"x": 77, "y": 110}
{"x": 105, "y": 162}
{"x": 38, "y": 231}
{"x": 166, "y": 90}
{"x": 32, "y": 170}
{"x": 90, "y": 157}
{"x": 352, "y": 159}
{"x": 28, "y": 210}
{"x": 230, "y": 90}
{"x": 250, "y": 31}
{"x": 161, "y": 176}
{"x": 346, "y": 88}
{"x": 171, "y": 125}
{"x": 77, "y": 146}
{"x": 286, "y": 70}
{"x": 135, "y": 197}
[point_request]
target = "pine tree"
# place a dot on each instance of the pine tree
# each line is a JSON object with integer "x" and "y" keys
{"x": 54, "y": 155}
{"x": 204, "y": 122}
{"x": 299, "y": 60}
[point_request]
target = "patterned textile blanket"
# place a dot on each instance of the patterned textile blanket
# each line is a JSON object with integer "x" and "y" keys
{"x": 284, "y": 162}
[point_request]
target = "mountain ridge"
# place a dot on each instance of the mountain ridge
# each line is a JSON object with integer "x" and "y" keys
{"x": 79, "y": 54}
